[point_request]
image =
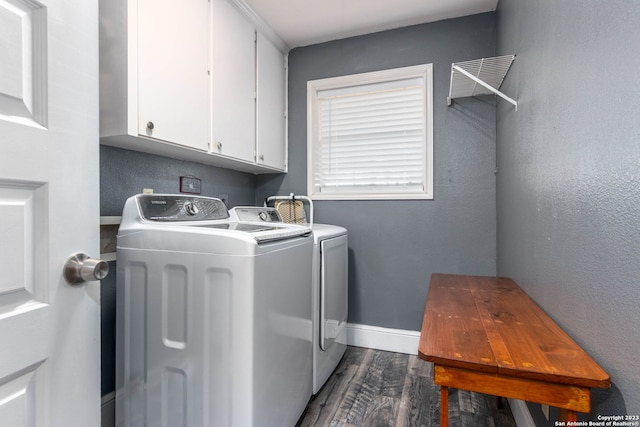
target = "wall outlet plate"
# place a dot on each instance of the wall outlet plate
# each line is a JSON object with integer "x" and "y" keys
{"x": 190, "y": 184}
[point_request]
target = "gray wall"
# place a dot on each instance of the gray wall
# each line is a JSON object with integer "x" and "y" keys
{"x": 568, "y": 186}
{"x": 396, "y": 245}
{"x": 124, "y": 173}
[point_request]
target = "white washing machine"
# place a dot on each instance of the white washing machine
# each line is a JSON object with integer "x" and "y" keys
{"x": 330, "y": 283}
{"x": 213, "y": 316}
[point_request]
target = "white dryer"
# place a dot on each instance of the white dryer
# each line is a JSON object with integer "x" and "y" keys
{"x": 210, "y": 332}
{"x": 330, "y": 300}
{"x": 330, "y": 284}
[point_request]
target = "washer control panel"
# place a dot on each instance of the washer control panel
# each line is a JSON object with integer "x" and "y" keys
{"x": 162, "y": 207}
{"x": 257, "y": 214}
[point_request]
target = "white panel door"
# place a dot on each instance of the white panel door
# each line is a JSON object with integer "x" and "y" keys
{"x": 49, "y": 330}
{"x": 271, "y": 121}
{"x": 234, "y": 83}
{"x": 173, "y": 71}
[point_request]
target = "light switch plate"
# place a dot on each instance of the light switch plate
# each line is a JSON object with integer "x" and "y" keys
{"x": 190, "y": 184}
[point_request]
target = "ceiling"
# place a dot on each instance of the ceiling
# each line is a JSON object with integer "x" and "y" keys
{"x": 305, "y": 22}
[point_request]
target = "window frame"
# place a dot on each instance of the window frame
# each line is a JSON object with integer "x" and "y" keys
{"x": 422, "y": 71}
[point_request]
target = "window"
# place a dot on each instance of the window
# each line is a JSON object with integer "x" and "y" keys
{"x": 370, "y": 135}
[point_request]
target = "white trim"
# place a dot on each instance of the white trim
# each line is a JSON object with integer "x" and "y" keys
{"x": 521, "y": 413}
{"x": 108, "y": 256}
{"x": 396, "y": 340}
{"x": 110, "y": 220}
{"x": 423, "y": 72}
{"x": 260, "y": 25}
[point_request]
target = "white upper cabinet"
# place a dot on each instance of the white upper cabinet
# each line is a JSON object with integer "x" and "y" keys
{"x": 173, "y": 71}
{"x": 188, "y": 79}
{"x": 234, "y": 82}
{"x": 271, "y": 109}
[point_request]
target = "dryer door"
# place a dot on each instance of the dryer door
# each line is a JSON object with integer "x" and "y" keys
{"x": 333, "y": 290}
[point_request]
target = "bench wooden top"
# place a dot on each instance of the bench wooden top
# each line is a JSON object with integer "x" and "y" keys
{"x": 489, "y": 324}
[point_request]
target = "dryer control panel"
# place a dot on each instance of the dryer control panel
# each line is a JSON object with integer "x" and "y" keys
{"x": 163, "y": 207}
{"x": 257, "y": 214}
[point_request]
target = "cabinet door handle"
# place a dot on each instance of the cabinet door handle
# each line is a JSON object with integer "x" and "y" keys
{"x": 150, "y": 125}
{"x": 219, "y": 145}
{"x": 261, "y": 157}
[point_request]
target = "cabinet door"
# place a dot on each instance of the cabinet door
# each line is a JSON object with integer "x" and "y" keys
{"x": 271, "y": 120}
{"x": 234, "y": 83}
{"x": 173, "y": 71}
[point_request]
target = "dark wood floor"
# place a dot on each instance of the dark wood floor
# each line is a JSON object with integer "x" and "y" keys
{"x": 382, "y": 389}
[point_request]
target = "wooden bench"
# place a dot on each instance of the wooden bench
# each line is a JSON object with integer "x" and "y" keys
{"x": 484, "y": 334}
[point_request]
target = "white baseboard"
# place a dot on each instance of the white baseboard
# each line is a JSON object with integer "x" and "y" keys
{"x": 404, "y": 341}
{"x": 521, "y": 413}
{"x": 396, "y": 340}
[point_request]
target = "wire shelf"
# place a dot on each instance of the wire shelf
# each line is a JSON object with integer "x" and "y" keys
{"x": 479, "y": 77}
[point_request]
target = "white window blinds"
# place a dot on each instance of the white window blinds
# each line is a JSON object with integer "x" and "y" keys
{"x": 370, "y": 138}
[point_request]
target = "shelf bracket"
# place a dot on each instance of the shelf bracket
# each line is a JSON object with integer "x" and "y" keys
{"x": 497, "y": 69}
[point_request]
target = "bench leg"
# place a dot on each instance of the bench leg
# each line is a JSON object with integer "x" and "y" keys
{"x": 444, "y": 406}
{"x": 567, "y": 415}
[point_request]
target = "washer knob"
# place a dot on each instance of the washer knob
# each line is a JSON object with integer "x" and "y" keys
{"x": 263, "y": 215}
{"x": 191, "y": 209}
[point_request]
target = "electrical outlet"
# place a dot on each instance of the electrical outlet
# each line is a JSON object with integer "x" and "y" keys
{"x": 190, "y": 184}
{"x": 545, "y": 411}
{"x": 225, "y": 199}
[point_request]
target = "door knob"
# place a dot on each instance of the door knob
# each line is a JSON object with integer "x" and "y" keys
{"x": 81, "y": 268}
